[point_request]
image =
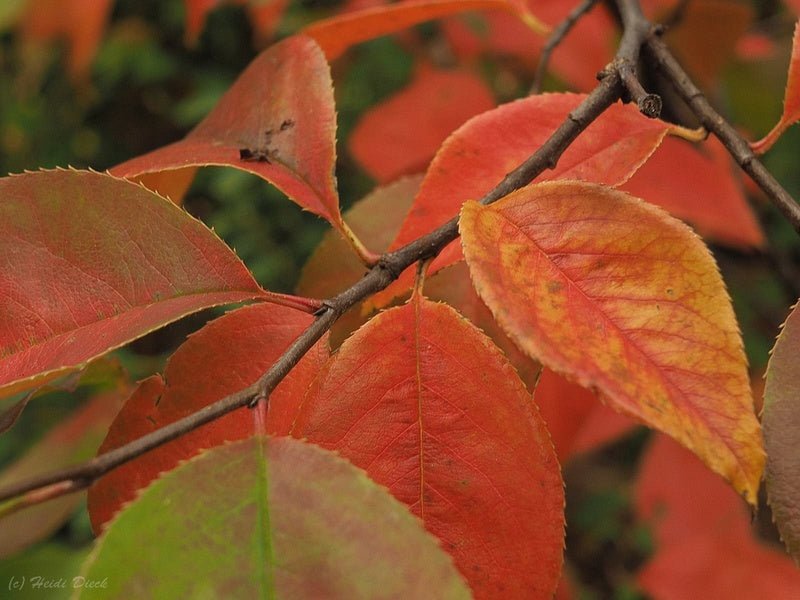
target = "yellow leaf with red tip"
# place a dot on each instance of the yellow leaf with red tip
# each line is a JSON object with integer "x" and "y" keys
{"x": 621, "y": 297}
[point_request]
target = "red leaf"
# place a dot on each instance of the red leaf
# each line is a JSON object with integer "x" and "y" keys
{"x": 705, "y": 545}
{"x": 81, "y": 22}
{"x": 706, "y": 194}
{"x": 480, "y": 153}
{"x": 264, "y": 16}
{"x": 436, "y": 102}
{"x": 781, "y": 420}
{"x": 791, "y": 99}
{"x": 576, "y": 419}
{"x": 93, "y": 262}
{"x": 621, "y": 297}
{"x": 337, "y": 34}
{"x": 198, "y": 374}
{"x": 583, "y": 52}
{"x": 280, "y": 110}
{"x": 431, "y": 409}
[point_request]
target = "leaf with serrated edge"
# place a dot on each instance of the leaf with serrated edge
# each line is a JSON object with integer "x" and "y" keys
{"x": 621, "y": 297}
{"x": 482, "y": 151}
{"x": 281, "y": 110}
{"x": 198, "y": 374}
{"x": 93, "y": 262}
{"x": 426, "y": 403}
{"x": 781, "y": 422}
{"x": 268, "y": 518}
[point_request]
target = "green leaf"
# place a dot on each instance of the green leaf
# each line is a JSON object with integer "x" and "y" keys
{"x": 268, "y": 518}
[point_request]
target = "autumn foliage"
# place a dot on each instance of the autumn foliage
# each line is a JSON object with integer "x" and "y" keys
{"x": 401, "y": 427}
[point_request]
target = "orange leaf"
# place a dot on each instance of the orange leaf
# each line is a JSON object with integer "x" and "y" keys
{"x": 480, "y": 153}
{"x": 82, "y": 22}
{"x": 277, "y": 121}
{"x": 705, "y": 38}
{"x": 198, "y": 374}
{"x": 705, "y": 547}
{"x": 431, "y": 409}
{"x": 576, "y": 419}
{"x": 620, "y": 297}
{"x": 791, "y": 99}
{"x": 337, "y": 34}
{"x": 705, "y": 194}
{"x": 436, "y": 102}
{"x": 92, "y": 262}
{"x": 781, "y": 421}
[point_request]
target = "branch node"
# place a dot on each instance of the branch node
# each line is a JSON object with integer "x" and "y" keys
{"x": 650, "y": 105}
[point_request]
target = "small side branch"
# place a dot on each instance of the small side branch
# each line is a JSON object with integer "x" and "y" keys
{"x": 737, "y": 146}
{"x": 556, "y": 37}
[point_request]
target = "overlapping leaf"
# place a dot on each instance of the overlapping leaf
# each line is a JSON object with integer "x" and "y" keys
{"x": 92, "y": 262}
{"x": 73, "y": 440}
{"x": 337, "y": 34}
{"x": 224, "y": 357}
{"x": 622, "y": 298}
{"x": 277, "y": 121}
{"x": 334, "y": 265}
{"x": 430, "y": 408}
{"x": 791, "y": 99}
{"x": 576, "y": 419}
{"x": 480, "y": 153}
{"x": 436, "y": 102}
{"x": 705, "y": 547}
{"x": 706, "y": 193}
{"x": 268, "y": 518}
{"x": 781, "y": 423}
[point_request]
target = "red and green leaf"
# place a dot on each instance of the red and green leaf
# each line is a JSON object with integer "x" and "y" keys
{"x": 624, "y": 299}
{"x": 198, "y": 374}
{"x": 430, "y": 408}
{"x": 93, "y": 262}
{"x": 268, "y": 518}
{"x": 791, "y": 99}
{"x": 781, "y": 421}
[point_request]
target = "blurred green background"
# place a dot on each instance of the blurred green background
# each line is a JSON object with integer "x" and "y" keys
{"x": 147, "y": 88}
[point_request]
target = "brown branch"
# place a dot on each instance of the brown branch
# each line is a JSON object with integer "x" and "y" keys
{"x": 737, "y": 146}
{"x": 556, "y": 37}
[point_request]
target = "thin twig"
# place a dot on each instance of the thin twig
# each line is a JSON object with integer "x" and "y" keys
{"x": 556, "y": 37}
{"x": 737, "y": 146}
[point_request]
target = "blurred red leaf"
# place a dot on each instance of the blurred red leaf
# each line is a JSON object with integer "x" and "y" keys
{"x": 71, "y": 441}
{"x": 481, "y": 152}
{"x": 94, "y": 262}
{"x": 436, "y": 102}
{"x": 264, "y": 15}
{"x": 280, "y": 110}
{"x": 705, "y": 548}
{"x": 621, "y": 297}
{"x": 81, "y": 22}
{"x": 431, "y": 409}
{"x": 791, "y": 99}
{"x": 706, "y": 194}
{"x": 337, "y": 34}
{"x": 582, "y": 53}
{"x": 199, "y": 373}
{"x": 576, "y": 419}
